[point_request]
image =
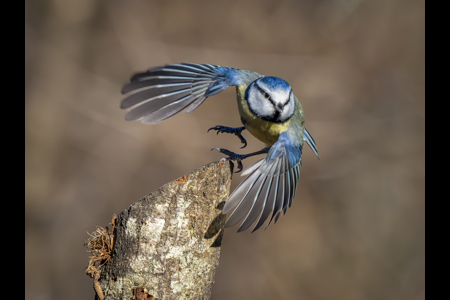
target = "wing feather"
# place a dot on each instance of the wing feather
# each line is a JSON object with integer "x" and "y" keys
{"x": 311, "y": 143}
{"x": 240, "y": 193}
{"x": 259, "y": 200}
{"x": 162, "y": 92}
{"x": 269, "y": 203}
{"x": 153, "y": 104}
{"x": 244, "y": 206}
{"x": 269, "y": 189}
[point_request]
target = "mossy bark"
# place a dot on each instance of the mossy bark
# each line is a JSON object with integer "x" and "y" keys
{"x": 167, "y": 245}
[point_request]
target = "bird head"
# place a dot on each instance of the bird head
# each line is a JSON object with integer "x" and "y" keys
{"x": 271, "y": 99}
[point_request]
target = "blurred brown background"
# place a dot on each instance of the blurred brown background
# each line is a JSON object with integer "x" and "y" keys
{"x": 357, "y": 226}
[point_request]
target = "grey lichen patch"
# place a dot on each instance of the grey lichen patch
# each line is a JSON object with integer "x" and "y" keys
{"x": 169, "y": 241}
{"x": 151, "y": 230}
{"x": 130, "y": 230}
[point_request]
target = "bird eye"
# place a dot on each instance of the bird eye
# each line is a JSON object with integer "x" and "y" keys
{"x": 266, "y": 95}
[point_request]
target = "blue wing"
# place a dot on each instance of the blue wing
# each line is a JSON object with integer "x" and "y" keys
{"x": 311, "y": 143}
{"x": 162, "y": 92}
{"x": 270, "y": 187}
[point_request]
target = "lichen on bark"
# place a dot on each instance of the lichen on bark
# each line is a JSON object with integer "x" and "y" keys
{"x": 168, "y": 243}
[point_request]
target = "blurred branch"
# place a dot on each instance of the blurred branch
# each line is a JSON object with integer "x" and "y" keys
{"x": 166, "y": 245}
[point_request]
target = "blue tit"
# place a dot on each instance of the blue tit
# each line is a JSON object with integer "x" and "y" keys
{"x": 269, "y": 110}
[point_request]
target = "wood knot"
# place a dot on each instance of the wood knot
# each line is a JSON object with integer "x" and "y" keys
{"x": 181, "y": 180}
{"x": 141, "y": 293}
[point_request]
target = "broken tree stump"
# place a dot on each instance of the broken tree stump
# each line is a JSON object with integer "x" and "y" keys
{"x": 167, "y": 245}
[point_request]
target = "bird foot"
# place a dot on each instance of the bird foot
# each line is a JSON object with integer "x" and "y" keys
{"x": 233, "y": 156}
{"x": 233, "y": 130}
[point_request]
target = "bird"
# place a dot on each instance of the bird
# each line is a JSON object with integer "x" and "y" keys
{"x": 269, "y": 110}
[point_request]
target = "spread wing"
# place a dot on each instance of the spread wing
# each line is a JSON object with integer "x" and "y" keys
{"x": 270, "y": 187}
{"x": 162, "y": 92}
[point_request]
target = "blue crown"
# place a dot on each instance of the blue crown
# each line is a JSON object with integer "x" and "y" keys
{"x": 275, "y": 83}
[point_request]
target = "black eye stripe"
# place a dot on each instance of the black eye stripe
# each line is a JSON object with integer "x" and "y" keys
{"x": 265, "y": 94}
{"x": 288, "y": 99}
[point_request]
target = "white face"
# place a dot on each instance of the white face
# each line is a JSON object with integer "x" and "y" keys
{"x": 270, "y": 100}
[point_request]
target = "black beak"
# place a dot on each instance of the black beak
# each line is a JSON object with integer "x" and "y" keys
{"x": 280, "y": 107}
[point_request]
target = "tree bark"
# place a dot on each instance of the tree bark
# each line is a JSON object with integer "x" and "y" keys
{"x": 167, "y": 245}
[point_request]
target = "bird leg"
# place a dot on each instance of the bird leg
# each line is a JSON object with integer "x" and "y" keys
{"x": 239, "y": 157}
{"x": 234, "y": 130}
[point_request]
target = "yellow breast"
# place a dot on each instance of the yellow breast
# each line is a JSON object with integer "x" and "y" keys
{"x": 266, "y": 132}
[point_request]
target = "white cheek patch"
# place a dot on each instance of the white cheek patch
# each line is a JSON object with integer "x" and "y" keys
{"x": 268, "y": 109}
{"x": 288, "y": 110}
{"x": 260, "y": 105}
{"x": 281, "y": 97}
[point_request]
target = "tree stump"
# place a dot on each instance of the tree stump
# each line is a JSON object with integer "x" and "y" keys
{"x": 167, "y": 245}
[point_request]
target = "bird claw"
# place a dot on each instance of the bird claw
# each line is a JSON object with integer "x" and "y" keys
{"x": 243, "y": 140}
{"x": 236, "y": 131}
{"x": 232, "y": 156}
